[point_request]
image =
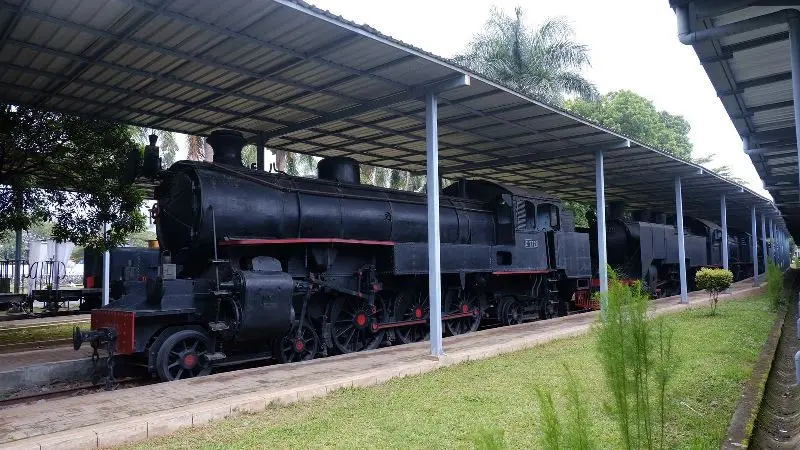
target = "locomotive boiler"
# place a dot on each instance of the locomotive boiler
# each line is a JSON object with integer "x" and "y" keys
{"x": 260, "y": 263}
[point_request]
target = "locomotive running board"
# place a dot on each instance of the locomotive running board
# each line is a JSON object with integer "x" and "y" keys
{"x": 304, "y": 241}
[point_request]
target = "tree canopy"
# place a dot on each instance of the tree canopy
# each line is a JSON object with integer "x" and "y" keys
{"x": 66, "y": 169}
{"x": 543, "y": 62}
{"x": 632, "y": 115}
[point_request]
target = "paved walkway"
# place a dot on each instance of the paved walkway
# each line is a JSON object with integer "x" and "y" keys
{"x": 112, "y": 418}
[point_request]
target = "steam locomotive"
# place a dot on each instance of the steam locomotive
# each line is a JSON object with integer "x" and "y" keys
{"x": 643, "y": 246}
{"x": 265, "y": 263}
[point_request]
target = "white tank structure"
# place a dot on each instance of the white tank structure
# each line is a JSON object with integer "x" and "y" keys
{"x": 48, "y": 263}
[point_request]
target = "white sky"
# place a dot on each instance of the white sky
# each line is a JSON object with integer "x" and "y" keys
{"x": 633, "y": 45}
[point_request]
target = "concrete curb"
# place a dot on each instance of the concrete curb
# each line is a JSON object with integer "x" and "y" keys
{"x": 741, "y": 428}
{"x": 43, "y": 374}
{"x": 166, "y": 422}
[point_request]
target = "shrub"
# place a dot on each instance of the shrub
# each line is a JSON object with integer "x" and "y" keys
{"x": 572, "y": 431}
{"x": 636, "y": 355}
{"x": 774, "y": 284}
{"x": 713, "y": 281}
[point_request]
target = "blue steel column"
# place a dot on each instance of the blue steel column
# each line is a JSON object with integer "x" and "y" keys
{"x": 434, "y": 261}
{"x": 106, "y": 269}
{"x": 681, "y": 246}
{"x": 772, "y": 244}
{"x": 764, "y": 256}
{"x": 724, "y": 223}
{"x": 600, "y": 194}
{"x": 794, "y": 57}
{"x": 754, "y": 245}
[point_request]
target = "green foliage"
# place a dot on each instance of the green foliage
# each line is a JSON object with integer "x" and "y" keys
{"x": 572, "y": 431}
{"x": 445, "y": 408}
{"x": 542, "y": 62}
{"x": 713, "y": 281}
{"x": 550, "y": 425}
{"x": 775, "y": 292}
{"x": 66, "y": 170}
{"x": 579, "y": 211}
{"x": 636, "y": 356}
{"x": 140, "y": 239}
{"x": 632, "y": 115}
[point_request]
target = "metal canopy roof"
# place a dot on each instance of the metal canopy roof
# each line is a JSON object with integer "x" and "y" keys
{"x": 752, "y": 76}
{"x": 311, "y": 82}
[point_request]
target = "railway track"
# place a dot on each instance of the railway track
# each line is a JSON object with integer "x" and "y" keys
{"x": 13, "y": 317}
{"x": 36, "y": 345}
{"x": 70, "y": 391}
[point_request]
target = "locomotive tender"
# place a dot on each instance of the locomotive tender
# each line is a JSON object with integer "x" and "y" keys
{"x": 256, "y": 262}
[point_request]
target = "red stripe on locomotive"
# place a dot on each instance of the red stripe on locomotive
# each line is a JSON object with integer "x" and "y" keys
{"x": 121, "y": 322}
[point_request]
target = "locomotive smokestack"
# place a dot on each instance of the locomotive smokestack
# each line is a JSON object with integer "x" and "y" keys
{"x": 339, "y": 169}
{"x": 227, "y": 145}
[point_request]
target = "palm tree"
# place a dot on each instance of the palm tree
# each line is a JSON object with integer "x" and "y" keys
{"x": 195, "y": 148}
{"x": 544, "y": 62}
{"x": 300, "y": 165}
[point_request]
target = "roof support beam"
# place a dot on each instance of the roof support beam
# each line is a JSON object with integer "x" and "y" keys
{"x": 123, "y": 109}
{"x": 781, "y": 135}
{"x": 191, "y": 106}
{"x": 689, "y": 37}
{"x": 12, "y": 25}
{"x": 538, "y": 156}
{"x": 109, "y": 46}
{"x": 781, "y": 179}
{"x": 765, "y": 80}
{"x": 411, "y": 94}
{"x": 794, "y": 56}
{"x": 772, "y": 150}
{"x": 755, "y": 43}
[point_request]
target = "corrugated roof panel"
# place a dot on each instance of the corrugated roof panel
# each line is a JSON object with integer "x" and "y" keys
{"x": 248, "y": 51}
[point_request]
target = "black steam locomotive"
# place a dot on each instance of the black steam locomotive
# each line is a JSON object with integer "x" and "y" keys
{"x": 257, "y": 263}
{"x": 644, "y": 246}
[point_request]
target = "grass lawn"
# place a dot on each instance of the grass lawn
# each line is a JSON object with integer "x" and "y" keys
{"x": 36, "y": 334}
{"x": 449, "y": 407}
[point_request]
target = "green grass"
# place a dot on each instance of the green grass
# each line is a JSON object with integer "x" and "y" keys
{"x": 37, "y": 334}
{"x": 456, "y": 406}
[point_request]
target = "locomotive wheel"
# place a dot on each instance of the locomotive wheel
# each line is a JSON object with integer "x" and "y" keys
{"x": 512, "y": 312}
{"x": 182, "y": 355}
{"x": 293, "y": 348}
{"x": 351, "y": 324}
{"x": 412, "y": 306}
{"x": 548, "y": 310}
{"x": 466, "y": 302}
